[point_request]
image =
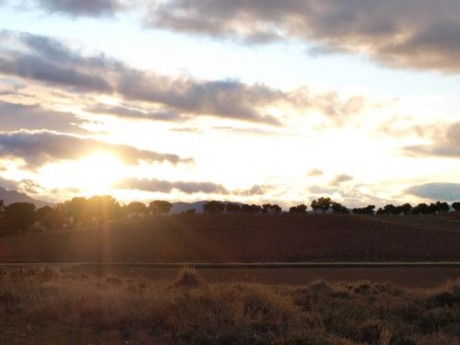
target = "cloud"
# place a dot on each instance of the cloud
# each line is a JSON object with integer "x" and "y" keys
{"x": 37, "y": 148}
{"x": 339, "y": 179}
{"x": 16, "y": 116}
{"x": 446, "y": 144}
{"x": 322, "y": 190}
{"x": 187, "y": 187}
{"x": 8, "y": 184}
{"x": 160, "y": 186}
{"x": 436, "y": 191}
{"x": 315, "y": 173}
{"x": 255, "y": 190}
{"x": 47, "y": 60}
{"x": 419, "y": 34}
{"x": 87, "y": 8}
{"x": 222, "y": 98}
{"x": 50, "y": 62}
{"x": 133, "y": 113}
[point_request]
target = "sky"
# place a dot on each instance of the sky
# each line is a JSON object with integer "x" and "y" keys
{"x": 257, "y": 101}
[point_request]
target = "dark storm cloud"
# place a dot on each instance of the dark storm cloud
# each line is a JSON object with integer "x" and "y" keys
{"x": 160, "y": 186}
{"x": 419, "y": 34}
{"x": 37, "y": 148}
{"x": 14, "y": 117}
{"x": 446, "y": 144}
{"x": 89, "y": 8}
{"x": 436, "y": 191}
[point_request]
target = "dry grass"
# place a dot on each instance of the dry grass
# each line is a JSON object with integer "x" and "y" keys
{"x": 53, "y": 307}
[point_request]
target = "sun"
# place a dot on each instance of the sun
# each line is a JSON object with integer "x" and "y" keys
{"x": 102, "y": 170}
{"x": 93, "y": 174}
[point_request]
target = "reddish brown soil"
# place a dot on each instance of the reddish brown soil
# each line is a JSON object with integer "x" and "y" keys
{"x": 242, "y": 238}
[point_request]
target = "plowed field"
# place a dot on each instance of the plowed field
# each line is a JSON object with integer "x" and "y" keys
{"x": 239, "y": 238}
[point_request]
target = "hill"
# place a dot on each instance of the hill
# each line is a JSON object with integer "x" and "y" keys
{"x": 237, "y": 238}
{"x": 12, "y": 196}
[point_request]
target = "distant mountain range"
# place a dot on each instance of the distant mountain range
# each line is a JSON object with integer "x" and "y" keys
{"x": 12, "y": 196}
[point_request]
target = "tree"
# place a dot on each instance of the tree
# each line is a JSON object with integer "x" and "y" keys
{"x": 339, "y": 208}
{"x": 406, "y": 208}
{"x": 137, "y": 207}
{"x": 456, "y": 206}
{"x": 391, "y": 209}
{"x": 421, "y": 209}
{"x": 276, "y": 209}
{"x": 322, "y": 204}
{"x": 253, "y": 208}
{"x": 49, "y": 217}
{"x": 102, "y": 208}
{"x": 158, "y": 207}
{"x": 272, "y": 209}
{"x": 232, "y": 208}
{"x": 214, "y": 207}
{"x": 365, "y": 210}
{"x": 441, "y": 207}
{"x": 299, "y": 209}
{"x": 2, "y": 216}
{"x": 75, "y": 209}
{"x": 19, "y": 216}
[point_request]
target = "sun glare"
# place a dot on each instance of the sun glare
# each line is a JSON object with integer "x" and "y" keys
{"x": 93, "y": 174}
{"x": 104, "y": 169}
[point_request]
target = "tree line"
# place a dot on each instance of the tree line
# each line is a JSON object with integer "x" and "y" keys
{"x": 327, "y": 205}
{"x": 23, "y": 217}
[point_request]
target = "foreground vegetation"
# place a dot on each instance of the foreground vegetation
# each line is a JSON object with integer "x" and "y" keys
{"x": 53, "y": 307}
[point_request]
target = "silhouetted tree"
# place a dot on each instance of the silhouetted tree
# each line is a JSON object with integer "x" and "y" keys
{"x": 214, "y": 207}
{"x": 392, "y": 210}
{"x": 276, "y": 209}
{"x": 405, "y": 208}
{"x": 102, "y": 208}
{"x": 322, "y": 204}
{"x": 456, "y": 206}
{"x": 48, "y": 217}
{"x": 339, "y": 208}
{"x": 421, "y": 209}
{"x": 253, "y": 208}
{"x": 364, "y": 210}
{"x": 158, "y": 207}
{"x": 271, "y": 209}
{"x": 232, "y": 208}
{"x": 299, "y": 209}
{"x": 136, "y": 207}
{"x": 441, "y": 207}
{"x": 75, "y": 209}
{"x": 19, "y": 216}
{"x": 2, "y": 216}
